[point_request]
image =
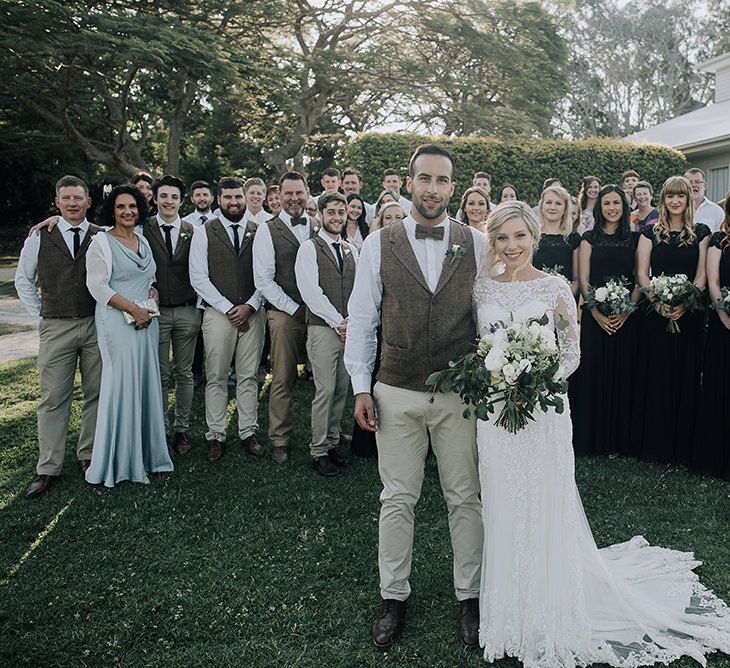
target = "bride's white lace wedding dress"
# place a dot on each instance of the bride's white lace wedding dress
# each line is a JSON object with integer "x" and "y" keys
{"x": 549, "y": 596}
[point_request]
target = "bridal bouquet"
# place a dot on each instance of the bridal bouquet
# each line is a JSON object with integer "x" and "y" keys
{"x": 512, "y": 368}
{"x": 676, "y": 290}
{"x": 614, "y": 298}
{"x": 723, "y": 304}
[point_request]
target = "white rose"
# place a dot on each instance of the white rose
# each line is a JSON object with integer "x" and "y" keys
{"x": 494, "y": 359}
{"x": 601, "y": 294}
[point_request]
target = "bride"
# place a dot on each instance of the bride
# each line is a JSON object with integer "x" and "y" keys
{"x": 548, "y": 595}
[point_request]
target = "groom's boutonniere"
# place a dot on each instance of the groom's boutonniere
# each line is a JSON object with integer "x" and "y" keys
{"x": 454, "y": 252}
{"x": 184, "y": 236}
{"x": 348, "y": 252}
{"x": 248, "y": 235}
{"x": 314, "y": 232}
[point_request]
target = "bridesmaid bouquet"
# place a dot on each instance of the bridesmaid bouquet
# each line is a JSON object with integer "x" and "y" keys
{"x": 512, "y": 367}
{"x": 614, "y": 298}
{"x": 723, "y": 304}
{"x": 676, "y": 290}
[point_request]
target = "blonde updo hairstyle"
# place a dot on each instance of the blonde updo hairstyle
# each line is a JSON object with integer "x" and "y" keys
{"x": 507, "y": 211}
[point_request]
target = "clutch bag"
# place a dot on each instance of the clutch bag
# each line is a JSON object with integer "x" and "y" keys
{"x": 149, "y": 304}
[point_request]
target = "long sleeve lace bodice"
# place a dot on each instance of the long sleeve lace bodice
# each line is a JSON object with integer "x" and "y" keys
{"x": 517, "y": 301}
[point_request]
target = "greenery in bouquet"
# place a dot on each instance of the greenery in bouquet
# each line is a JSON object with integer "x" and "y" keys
{"x": 613, "y": 298}
{"x": 722, "y": 304}
{"x": 557, "y": 270}
{"x": 676, "y": 290}
{"x": 512, "y": 368}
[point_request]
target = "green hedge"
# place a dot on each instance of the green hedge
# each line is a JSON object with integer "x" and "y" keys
{"x": 525, "y": 164}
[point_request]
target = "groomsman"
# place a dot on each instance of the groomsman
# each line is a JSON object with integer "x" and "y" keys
{"x": 330, "y": 182}
{"x": 275, "y": 251}
{"x": 201, "y": 196}
{"x": 254, "y": 190}
{"x": 325, "y": 273}
{"x": 393, "y": 181}
{"x": 221, "y": 270}
{"x": 54, "y": 263}
{"x": 352, "y": 184}
{"x": 179, "y": 319}
{"x": 415, "y": 277}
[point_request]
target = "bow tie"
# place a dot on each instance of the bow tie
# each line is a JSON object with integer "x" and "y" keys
{"x": 423, "y": 232}
{"x": 298, "y": 221}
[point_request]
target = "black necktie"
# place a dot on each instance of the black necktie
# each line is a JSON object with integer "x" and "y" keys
{"x": 236, "y": 242}
{"x": 336, "y": 246}
{"x": 168, "y": 238}
{"x": 299, "y": 221}
{"x": 203, "y": 219}
{"x": 77, "y": 240}
{"x": 424, "y": 232}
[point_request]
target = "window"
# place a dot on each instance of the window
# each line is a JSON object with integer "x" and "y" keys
{"x": 718, "y": 183}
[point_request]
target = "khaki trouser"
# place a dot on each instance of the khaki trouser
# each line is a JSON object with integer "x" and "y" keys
{"x": 179, "y": 325}
{"x": 287, "y": 342}
{"x": 331, "y": 383}
{"x": 224, "y": 342}
{"x": 405, "y": 419}
{"x": 63, "y": 342}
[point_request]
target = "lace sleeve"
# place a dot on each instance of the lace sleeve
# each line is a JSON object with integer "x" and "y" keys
{"x": 568, "y": 337}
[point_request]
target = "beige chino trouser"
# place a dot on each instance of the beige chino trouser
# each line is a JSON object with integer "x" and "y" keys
{"x": 331, "y": 383}
{"x": 405, "y": 420}
{"x": 64, "y": 342}
{"x": 224, "y": 342}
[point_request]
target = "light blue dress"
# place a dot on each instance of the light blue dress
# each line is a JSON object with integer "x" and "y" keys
{"x": 130, "y": 429}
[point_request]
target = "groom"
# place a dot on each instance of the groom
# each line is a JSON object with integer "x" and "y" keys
{"x": 415, "y": 279}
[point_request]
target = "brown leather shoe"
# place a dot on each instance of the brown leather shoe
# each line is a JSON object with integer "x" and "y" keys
{"x": 180, "y": 443}
{"x": 389, "y": 624}
{"x": 215, "y": 450}
{"x": 252, "y": 446}
{"x": 279, "y": 454}
{"x": 84, "y": 464}
{"x": 469, "y": 622}
{"x": 39, "y": 486}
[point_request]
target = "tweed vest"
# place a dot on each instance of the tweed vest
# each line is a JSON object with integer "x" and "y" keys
{"x": 335, "y": 285}
{"x": 62, "y": 278}
{"x": 231, "y": 274}
{"x": 423, "y": 330}
{"x": 173, "y": 277}
{"x": 286, "y": 247}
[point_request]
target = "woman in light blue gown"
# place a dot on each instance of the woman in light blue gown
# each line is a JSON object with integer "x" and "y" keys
{"x": 130, "y": 439}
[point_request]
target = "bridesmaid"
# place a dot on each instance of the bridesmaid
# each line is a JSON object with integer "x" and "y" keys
{"x": 601, "y": 404}
{"x": 712, "y": 446}
{"x": 669, "y": 365}
{"x": 587, "y": 198}
{"x": 559, "y": 241}
{"x": 129, "y": 441}
{"x": 474, "y": 208}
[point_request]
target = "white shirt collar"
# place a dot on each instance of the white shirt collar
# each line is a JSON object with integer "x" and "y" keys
{"x": 410, "y": 223}
{"x": 228, "y": 223}
{"x": 64, "y": 226}
{"x": 284, "y": 216}
{"x": 323, "y": 235}
{"x": 175, "y": 223}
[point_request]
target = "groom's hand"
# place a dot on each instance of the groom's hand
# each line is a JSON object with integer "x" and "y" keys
{"x": 365, "y": 412}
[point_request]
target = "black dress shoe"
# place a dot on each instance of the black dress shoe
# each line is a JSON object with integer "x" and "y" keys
{"x": 389, "y": 624}
{"x": 326, "y": 467}
{"x": 338, "y": 458}
{"x": 39, "y": 486}
{"x": 469, "y": 622}
{"x": 180, "y": 443}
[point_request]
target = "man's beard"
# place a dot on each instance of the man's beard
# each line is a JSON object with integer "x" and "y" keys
{"x": 426, "y": 213}
{"x": 333, "y": 228}
{"x": 202, "y": 210}
{"x": 234, "y": 217}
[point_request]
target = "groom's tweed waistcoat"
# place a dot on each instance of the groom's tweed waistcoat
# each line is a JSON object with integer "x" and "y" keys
{"x": 286, "y": 246}
{"x": 335, "y": 285}
{"x": 423, "y": 330}
{"x": 61, "y": 278}
{"x": 172, "y": 276}
{"x": 231, "y": 274}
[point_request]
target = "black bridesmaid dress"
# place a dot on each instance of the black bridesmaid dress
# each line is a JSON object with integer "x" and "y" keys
{"x": 712, "y": 447}
{"x": 669, "y": 366}
{"x": 601, "y": 398}
{"x": 556, "y": 250}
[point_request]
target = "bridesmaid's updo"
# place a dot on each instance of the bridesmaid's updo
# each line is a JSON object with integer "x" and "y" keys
{"x": 507, "y": 211}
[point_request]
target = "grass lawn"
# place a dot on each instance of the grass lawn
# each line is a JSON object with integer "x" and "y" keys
{"x": 244, "y": 563}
